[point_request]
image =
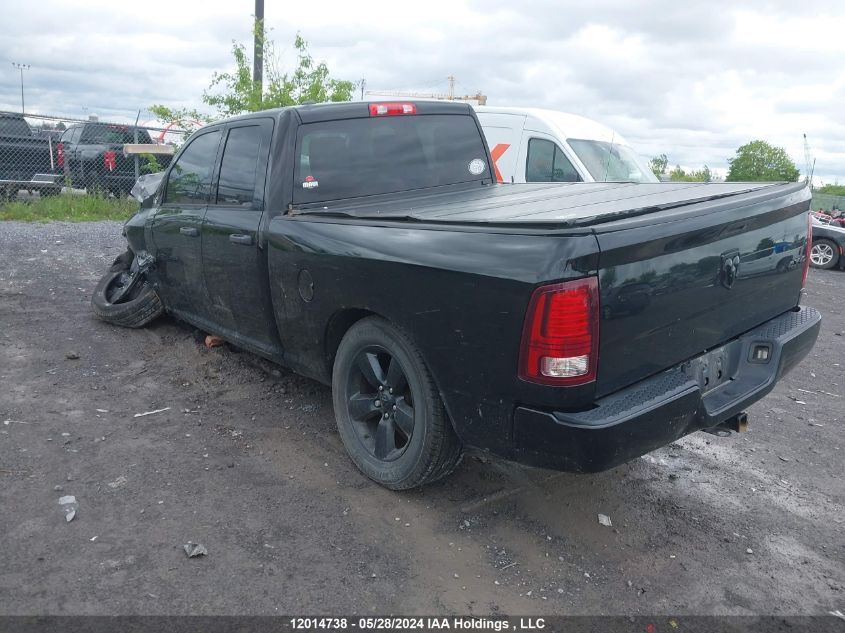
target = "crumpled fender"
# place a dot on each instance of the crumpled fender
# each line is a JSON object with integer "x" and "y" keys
{"x": 145, "y": 188}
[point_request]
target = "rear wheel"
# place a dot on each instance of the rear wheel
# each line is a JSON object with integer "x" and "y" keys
{"x": 389, "y": 413}
{"x": 824, "y": 254}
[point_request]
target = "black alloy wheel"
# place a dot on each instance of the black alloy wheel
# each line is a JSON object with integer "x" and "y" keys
{"x": 380, "y": 403}
{"x": 388, "y": 409}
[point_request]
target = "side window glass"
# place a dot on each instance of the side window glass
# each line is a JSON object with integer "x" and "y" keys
{"x": 563, "y": 170}
{"x": 541, "y": 160}
{"x": 546, "y": 162}
{"x": 71, "y": 135}
{"x": 239, "y": 165}
{"x": 190, "y": 178}
{"x": 86, "y": 133}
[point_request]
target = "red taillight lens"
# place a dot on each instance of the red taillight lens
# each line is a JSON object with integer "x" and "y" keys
{"x": 392, "y": 109}
{"x": 561, "y": 334}
{"x": 60, "y": 154}
{"x": 807, "y": 250}
{"x": 110, "y": 160}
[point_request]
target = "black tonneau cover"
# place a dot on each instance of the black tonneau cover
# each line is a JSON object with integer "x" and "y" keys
{"x": 561, "y": 204}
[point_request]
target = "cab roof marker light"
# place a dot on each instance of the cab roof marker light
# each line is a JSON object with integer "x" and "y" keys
{"x": 392, "y": 109}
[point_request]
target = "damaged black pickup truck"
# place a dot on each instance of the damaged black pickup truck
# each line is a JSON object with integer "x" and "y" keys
{"x": 570, "y": 326}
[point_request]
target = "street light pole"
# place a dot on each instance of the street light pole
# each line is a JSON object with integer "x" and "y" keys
{"x": 21, "y": 67}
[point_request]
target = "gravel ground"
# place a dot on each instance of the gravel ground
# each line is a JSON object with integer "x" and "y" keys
{"x": 246, "y": 460}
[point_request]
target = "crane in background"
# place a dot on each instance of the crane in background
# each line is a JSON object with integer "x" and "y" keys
{"x": 809, "y": 161}
{"x": 449, "y": 96}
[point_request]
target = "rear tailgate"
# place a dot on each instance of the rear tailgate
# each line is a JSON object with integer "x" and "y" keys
{"x": 22, "y": 158}
{"x": 677, "y": 283}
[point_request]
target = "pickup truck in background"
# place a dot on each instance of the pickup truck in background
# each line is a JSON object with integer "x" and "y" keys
{"x": 537, "y": 145}
{"x": 92, "y": 156}
{"x": 571, "y": 326}
{"x": 26, "y": 161}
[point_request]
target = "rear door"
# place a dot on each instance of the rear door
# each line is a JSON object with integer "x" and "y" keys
{"x": 177, "y": 226}
{"x": 70, "y": 154}
{"x": 234, "y": 261}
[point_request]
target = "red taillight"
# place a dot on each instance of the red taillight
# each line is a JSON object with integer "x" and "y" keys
{"x": 60, "y": 154}
{"x": 560, "y": 338}
{"x": 807, "y": 249}
{"x": 392, "y": 109}
{"x": 110, "y": 160}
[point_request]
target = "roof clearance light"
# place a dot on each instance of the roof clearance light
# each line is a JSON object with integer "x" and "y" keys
{"x": 392, "y": 109}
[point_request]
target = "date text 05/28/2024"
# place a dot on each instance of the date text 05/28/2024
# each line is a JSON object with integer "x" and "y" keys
{"x": 416, "y": 624}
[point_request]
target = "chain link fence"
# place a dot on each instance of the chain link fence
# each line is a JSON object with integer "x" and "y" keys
{"x": 44, "y": 155}
{"x": 827, "y": 202}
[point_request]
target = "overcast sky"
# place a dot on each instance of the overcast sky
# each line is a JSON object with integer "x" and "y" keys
{"x": 690, "y": 79}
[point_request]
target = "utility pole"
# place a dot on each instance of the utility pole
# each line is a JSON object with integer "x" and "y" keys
{"x": 21, "y": 67}
{"x": 258, "y": 52}
{"x": 363, "y": 85}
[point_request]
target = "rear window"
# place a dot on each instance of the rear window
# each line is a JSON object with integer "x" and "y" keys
{"x": 361, "y": 157}
{"x": 113, "y": 134}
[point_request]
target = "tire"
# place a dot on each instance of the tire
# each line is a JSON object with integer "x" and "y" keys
{"x": 140, "y": 307}
{"x": 388, "y": 410}
{"x": 824, "y": 254}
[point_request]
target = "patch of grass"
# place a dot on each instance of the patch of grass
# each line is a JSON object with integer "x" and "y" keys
{"x": 68, "y": 207}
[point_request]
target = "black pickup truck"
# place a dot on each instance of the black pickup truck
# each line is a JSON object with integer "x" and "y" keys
{"x": 92, "y": 156}
{"x": 571, "y": 326}
{"x": 26, "y": 161}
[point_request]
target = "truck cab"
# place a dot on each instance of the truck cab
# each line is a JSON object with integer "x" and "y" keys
{"x": 536, "y": 145}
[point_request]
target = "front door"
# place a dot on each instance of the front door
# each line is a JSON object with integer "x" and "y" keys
{"x": 177, "y": 227}
{"x": 234, "y": 260}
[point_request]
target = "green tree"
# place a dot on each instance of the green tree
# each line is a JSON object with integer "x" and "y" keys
{"x": 182, "y": 118}
{"x": 658, "y": 165}
{"x": 834, "y": 190}
{"x": 758, "y": 160}
{"x": 234, "y": 92}
{"x": 696, "y": 175}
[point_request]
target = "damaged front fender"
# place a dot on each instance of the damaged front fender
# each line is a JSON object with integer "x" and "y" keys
{"x": 146, "y": 187}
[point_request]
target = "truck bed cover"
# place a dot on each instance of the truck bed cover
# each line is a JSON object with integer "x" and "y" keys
{"x": 561, "y": 204}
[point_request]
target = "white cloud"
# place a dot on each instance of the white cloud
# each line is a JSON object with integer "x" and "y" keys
{"x": 692, "y": 79}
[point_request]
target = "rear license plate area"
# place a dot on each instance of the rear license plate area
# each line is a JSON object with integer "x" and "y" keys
{"x": 710, "y": 370}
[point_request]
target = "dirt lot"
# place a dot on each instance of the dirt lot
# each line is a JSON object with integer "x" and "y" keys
{"x": 247, "y": 461}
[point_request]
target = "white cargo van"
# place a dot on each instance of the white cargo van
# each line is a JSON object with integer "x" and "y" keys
{"x": 535, "y": 145}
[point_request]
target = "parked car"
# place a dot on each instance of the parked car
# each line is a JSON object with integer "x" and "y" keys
{"x": 828, "y": 249}
{"x": 92, "y": 156}
{"x": 369, "y": 247}
{"x": 536, "y": 145}
{"x": 26, "y": 161}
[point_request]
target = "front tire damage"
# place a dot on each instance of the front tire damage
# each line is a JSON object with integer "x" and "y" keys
{"x": 124, "y": 296}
